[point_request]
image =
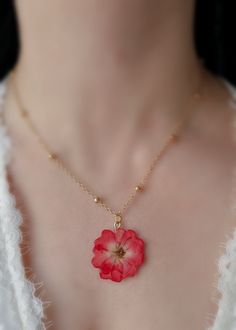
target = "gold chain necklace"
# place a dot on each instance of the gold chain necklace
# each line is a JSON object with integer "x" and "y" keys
{"x": 119, "y": 253}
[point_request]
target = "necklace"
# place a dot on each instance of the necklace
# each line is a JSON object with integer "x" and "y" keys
{"x": 118, "y": 253}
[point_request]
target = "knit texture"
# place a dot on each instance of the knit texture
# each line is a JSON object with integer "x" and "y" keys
{"x": 21, "y": 309}
{"x": 226, "y": 315}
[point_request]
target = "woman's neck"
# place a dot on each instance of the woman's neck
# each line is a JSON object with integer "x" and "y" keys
{"x": 105, "y": 60}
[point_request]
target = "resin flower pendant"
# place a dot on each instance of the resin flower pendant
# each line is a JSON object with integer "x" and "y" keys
{"x": 118, "y": 254}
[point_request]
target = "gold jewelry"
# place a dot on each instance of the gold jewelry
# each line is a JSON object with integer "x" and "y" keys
{"x": 118, "y": 254}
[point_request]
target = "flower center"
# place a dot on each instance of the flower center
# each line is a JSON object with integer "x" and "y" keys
{"x": 119, "y": 252}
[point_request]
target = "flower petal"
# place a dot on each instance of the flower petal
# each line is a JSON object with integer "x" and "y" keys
{"x": 106, "y": 237}
{"x": 135, "y": 251}
{"x": 128, "y": 269}
{"x": 117, "y": 271}
{"x": 135, "y": 257}
{"x": 119, "y": 235}
{"x": 105, "y": 276}
{"x": 122, "y": 235}
{"x": 135, "y": 244}
{"x": 106, "y": 266}
{"x": 99, "y": 257}
{"x": 116, "y": 276}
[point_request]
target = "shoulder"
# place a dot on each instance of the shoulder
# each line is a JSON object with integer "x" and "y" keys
{"x": 214, "y": 121}
{"x": 211, "y": 149}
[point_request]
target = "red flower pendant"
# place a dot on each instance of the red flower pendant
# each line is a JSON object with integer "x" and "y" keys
{"x": 118, "y": 254}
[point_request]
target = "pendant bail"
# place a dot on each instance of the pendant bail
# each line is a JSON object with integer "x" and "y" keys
{"x": 118, "y": 220}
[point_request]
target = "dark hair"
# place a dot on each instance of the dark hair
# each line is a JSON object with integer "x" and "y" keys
{"x": 9, "y": 43}
{"x": 214, "y": 24}
{"x": 214, "y": 35}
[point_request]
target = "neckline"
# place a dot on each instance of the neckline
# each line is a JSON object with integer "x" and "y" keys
{"x": 33, "y": 313}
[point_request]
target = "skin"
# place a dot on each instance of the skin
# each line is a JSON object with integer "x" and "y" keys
{"x": 105, "y": 83}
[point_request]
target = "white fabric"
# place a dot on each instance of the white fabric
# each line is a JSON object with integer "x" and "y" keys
{"x": 20, "y": 309}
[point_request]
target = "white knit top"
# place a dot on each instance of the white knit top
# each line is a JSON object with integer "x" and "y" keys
{"x": 20, "y": 309}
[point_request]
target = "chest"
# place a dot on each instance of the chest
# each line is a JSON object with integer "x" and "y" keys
{"x": 183, "y": 223}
